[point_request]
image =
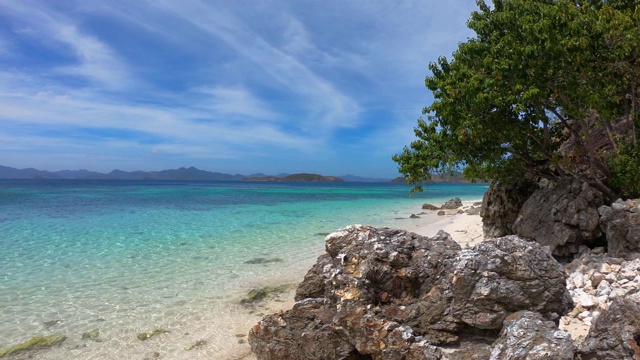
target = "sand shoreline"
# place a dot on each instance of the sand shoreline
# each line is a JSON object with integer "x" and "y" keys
{"x": 464, "y": 228}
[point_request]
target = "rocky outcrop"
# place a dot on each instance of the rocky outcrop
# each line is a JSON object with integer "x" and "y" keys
{"x": 392, "y": 294}
{"x": 452, "y": 204}
{"x": 562, "y": 217}
{"x": 595, "y": 281}
{"x": 616, "y": 332}
{"x": 526, "y": 335}
{"x": 427, "y": 206}
{"x": 504, "y": 275}
{"x": 501, "y": 205}
{"x": 473, "y": 210}
{"x": 621, "y": 225}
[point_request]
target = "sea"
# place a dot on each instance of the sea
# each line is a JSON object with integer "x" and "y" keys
{"x": 121, "y": 258}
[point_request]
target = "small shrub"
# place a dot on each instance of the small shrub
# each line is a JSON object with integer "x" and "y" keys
{"x": 625, "y": 170}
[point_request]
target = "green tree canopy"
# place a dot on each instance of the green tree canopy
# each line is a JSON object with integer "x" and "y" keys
{"x": 538, "y": 75}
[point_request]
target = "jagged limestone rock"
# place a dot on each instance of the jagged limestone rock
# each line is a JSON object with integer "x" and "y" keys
{"x": 387, "y": 294}
{"x": 562, "y": 217}
{"x": 621, "y": 224}
{"x": 526, "y": 335}
{"x": 501, "y": 205}
{"x": 452, "y": 204}
{"x": 615, "y": 333}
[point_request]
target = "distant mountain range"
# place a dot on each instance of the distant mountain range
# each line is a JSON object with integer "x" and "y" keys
{"x": 182, "y": 173}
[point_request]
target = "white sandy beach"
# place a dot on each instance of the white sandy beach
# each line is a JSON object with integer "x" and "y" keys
{"x": 465, "y": 229}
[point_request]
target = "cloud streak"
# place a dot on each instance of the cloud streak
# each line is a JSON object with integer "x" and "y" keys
{"x": 93, "y": 60}
{"x": 325, "y": 104}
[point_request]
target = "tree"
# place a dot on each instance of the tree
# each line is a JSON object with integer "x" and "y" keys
{"x": 540, "y": 74}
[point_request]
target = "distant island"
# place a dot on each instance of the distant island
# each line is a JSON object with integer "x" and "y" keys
{"x": 296, "y": 177}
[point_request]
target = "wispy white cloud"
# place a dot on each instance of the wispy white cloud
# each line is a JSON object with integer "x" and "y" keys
{"x": 28, "y": 105}
{"x": 97, "y": 61}
{"x": 94, "y": 60}
{"x": 236, "y": 102}
{"x": 327, "y": 106}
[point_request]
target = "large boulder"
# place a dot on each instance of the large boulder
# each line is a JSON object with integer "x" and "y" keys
{"x": 562, "y": 217}
{"x": 452, "y": 204}
{"x": 526, "y": 335}
{"x": 427, "y": 206}
{"x": 304, "y": 332}
{"x": 621, "y": 224}
{"x": 615, "y": 333}
{"x": 500, "y": 276}
{"x": 392, "y": 294}
{"x": 501, "y": 205}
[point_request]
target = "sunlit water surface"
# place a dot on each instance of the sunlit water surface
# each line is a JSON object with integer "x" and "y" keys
{"x": 129, "y": 256}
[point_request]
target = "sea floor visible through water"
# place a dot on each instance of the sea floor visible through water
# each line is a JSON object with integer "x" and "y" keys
{"x": 127, "y": 257}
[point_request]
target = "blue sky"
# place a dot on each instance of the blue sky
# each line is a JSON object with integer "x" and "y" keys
{"x": 331, "y": 87}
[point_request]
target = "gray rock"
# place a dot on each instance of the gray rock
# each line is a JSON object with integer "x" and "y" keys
{"x": 501, "y": 205}
{"x": 313, "y": 284}
{"x": 392, "y": 294}
{"x": 500, "y": 276}
{"x": 429, "y": 207}
{"x": 474, "y": 210}
{"x": 621, "y": 227}
{"x": 452, "y": 204}
{"x": 615, "y": 333}
{"x": 474, "y": 349}
{"x": 291, "y": 335}
{"x": 526, "y": 335}
{"x": 562, "y": 217}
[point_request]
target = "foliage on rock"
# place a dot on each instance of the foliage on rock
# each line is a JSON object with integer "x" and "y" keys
{"x": 625, "y": 171}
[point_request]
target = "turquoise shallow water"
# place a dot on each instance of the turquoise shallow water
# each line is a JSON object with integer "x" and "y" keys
{"x": 126, "y": 256}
